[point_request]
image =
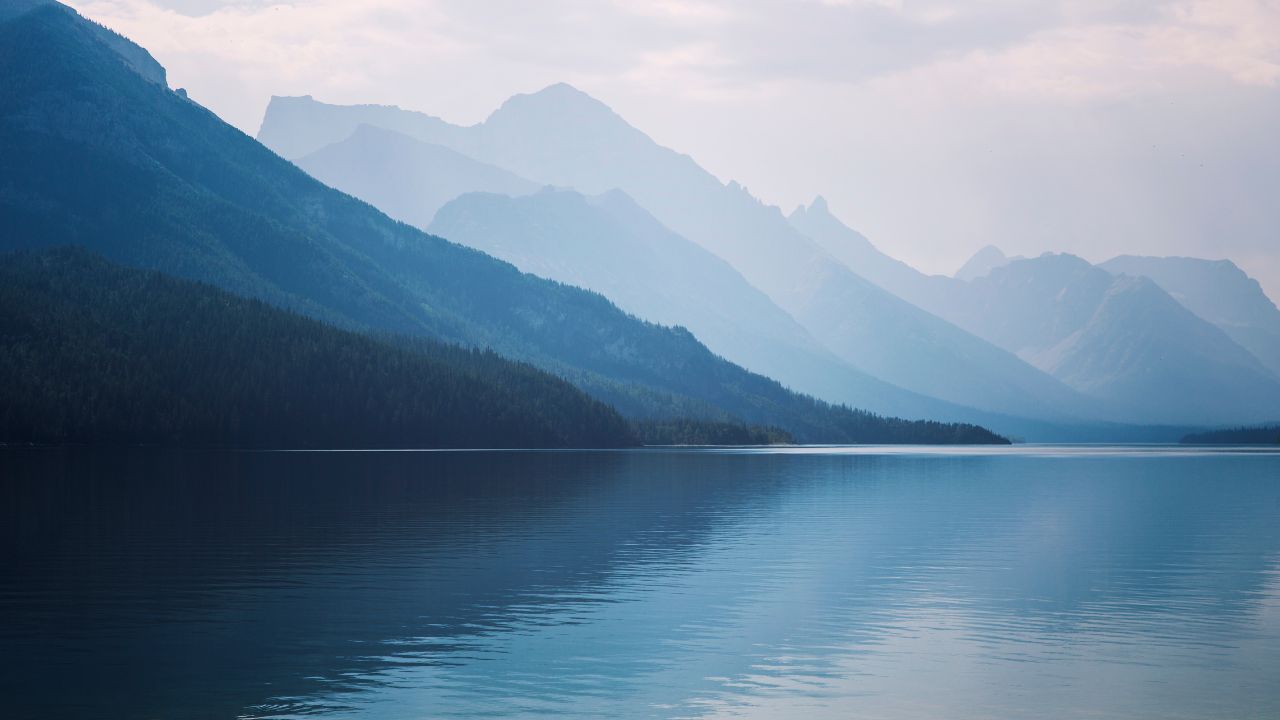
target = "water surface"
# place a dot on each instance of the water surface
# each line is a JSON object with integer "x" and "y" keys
{"x": 817, "y": 582}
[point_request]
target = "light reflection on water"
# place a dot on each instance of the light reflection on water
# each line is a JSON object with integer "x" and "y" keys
{"x": 824, "y": 582}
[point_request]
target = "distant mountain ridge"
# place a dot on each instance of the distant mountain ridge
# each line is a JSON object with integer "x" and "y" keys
{"x": 407, "y": 179}
{"x": 563, "y": 137}
{"x": 1218, "y": 291}
{"x": 1126, "y": 343}
{"x": 982, "y": 263}
{"x": 610, "y": 245}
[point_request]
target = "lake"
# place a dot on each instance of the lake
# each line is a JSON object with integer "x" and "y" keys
{"x": 1054, "y": 582}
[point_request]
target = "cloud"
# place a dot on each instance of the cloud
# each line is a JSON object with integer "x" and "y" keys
{"x": 1079, "y": 62}
{"x": 1072, "y": 51}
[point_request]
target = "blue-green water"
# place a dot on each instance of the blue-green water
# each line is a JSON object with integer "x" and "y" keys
{"x": 1006, "y": 583}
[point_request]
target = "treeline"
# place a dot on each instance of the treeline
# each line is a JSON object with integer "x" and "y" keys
{"x": 707, "y": 432}
{"x": 804, "y": 419}
{"x": 1258, "y": 435}
{"x": 91, "y": 352}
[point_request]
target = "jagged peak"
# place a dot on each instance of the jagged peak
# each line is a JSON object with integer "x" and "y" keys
{"x": 817, "y": 208}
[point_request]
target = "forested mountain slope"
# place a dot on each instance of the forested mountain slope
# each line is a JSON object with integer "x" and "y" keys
{"x": 95, "y": 352}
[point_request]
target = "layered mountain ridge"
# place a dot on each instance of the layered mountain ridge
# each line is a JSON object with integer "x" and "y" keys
{"x": 1218, "y": 291}
{"x": 563, "y": 137}
{"x": 98, "y": 154}
{"x": 609, "y": 244}
{"x": 1120, "y": 338}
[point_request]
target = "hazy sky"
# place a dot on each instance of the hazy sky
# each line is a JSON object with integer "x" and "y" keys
{"x": 1093, "y": 127}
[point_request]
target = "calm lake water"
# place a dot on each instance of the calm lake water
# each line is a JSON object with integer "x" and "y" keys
{"x": 877, "y": 583}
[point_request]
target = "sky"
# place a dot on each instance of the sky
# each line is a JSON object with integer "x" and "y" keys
{"x": 1094, "y": 127}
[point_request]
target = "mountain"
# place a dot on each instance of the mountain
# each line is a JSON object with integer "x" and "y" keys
{"x": 983, "y": 262}
{"x": 607, "y": 244}
{"x": 98, "y": 154}
{"x": 563, "y": 137}
{"x": 856, "y": 252}
{"x": 611, "y": 245}
{"x": 1122, "y": 339}
{"x": 293, "y": 129}
{"x": 94, "y": 352}
{"x": 407, "y": 179}
{"x": 1118, "y": 342}
{"x": 1218, "y": 291}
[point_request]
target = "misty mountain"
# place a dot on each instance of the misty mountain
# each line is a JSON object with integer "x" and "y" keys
{"x": 98, "y": 154}
{"x": 405, "y": 178}
{"x": 561, "y": 136}
{"x": 607, "y": 244}
{"x": 1218, "y": 291}
{"x": 1119, "y": 338}
{"x": 95, "y": 352}
{"x": 611, "y": 245}
{"x": 1078, "y": 323}
{"x": 983, "y": 262}
{"x": 856, "y": 252}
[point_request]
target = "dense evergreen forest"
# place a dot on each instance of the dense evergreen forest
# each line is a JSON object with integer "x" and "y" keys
{"x": 92, "y": 352}
{"x": 99, "y": 152}
{"x": 1261, "y": 435}
{"x": 707, "y": 432}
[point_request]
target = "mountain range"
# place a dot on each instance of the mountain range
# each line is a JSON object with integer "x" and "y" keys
{"x": 611, "y": 245}
{"x": 869, "y": 310}
{"x": 1113, "y": 332}
{"x": 1218, "y": 291}
{"x": 99, "y": 152}
{"x": 562, "y": 137}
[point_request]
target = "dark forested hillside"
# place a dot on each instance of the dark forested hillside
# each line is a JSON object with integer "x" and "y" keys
{"x": 97, "y": 153}
{"x": 702, "y": 432}
{"x": 93, "y": 352}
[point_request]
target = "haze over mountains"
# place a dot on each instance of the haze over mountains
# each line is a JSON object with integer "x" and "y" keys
{"x": 950, "y": 338}
{"x": 409, "y": 179}
{"x": 560, "y": 136}
{"x": 1123, "y": 340}
{"x": 99, "y": 152}
{"x": 611, "y": 245}
{"x": 1219, "y": 292}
